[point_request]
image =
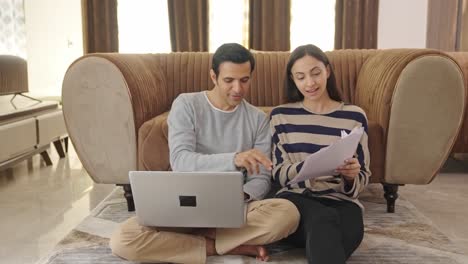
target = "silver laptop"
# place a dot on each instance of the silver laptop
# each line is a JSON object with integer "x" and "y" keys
{"x": 188, "y": 199}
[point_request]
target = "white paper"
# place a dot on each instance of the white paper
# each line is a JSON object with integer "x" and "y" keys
{"x": 325, "y": 161}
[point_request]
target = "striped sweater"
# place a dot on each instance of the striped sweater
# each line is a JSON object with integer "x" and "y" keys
{"x": 298, "y": 132}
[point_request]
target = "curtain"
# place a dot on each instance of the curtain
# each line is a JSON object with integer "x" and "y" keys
{"x": 188, "y": 22}
{"x": 269, "y": 24}
{"x": 100, "y": 26}
{"x": 356, "y": 24}
{"x": 444, "y": 21}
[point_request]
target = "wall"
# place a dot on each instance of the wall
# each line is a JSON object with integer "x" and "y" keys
{"x": 402, "y": 24}
{"x": 54, "y": 39}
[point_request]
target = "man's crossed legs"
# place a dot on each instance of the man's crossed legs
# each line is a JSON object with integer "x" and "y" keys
{"x": 267, "y": 221}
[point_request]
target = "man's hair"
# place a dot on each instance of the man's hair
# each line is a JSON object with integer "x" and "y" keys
{"x": 231, "y": 52}
{"x": 292, "y": 92}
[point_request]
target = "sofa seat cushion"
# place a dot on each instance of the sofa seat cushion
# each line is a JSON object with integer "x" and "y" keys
{"x": 153, "y": 149}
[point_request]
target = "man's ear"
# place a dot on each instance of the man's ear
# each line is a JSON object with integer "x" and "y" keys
{"x": 213, "y": 77}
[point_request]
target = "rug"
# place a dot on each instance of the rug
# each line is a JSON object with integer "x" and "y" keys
{"x": 406, "y": 237}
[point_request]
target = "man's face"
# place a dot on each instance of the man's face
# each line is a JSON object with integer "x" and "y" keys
{"x": 231, "y": 84}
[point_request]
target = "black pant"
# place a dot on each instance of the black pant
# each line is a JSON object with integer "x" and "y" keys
{"x": 329, "y": 230}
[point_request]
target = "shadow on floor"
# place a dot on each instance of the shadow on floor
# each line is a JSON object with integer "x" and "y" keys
{"x": 453, "y": 165}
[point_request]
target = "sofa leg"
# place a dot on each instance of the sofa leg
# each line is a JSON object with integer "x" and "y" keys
{"x": 128, "y": 196}
{"x": 391, "y": 194}
{"x": 45, "y": 156}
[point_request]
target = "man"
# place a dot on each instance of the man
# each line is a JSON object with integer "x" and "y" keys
{"x": 217, "y": 130}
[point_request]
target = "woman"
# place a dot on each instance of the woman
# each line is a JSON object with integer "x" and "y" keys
{"x": 331, "y": 225}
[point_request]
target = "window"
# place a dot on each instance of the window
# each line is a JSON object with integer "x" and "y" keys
{"x": 143, "y": 26}
{"x": 313, "y": 22}
{"x": 228, "y": 22}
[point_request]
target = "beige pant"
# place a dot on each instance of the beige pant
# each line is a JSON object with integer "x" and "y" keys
{"x": 267, "y": 221}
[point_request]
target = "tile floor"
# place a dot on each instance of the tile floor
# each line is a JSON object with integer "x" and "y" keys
{"x": 40, "y": 204}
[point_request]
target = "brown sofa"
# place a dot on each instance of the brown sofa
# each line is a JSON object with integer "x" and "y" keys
{"x": 116, "y": 106}
{"x": 461, "y": 145}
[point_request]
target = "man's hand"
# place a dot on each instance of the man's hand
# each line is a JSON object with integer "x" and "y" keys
{"x": 350, "y": 169}
{"x": 251, "y": 159}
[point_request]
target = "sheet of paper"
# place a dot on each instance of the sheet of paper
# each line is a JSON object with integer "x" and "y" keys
{"x": 325, "y": 161}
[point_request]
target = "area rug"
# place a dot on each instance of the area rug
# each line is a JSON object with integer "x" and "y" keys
{"x": 406, "y": 237}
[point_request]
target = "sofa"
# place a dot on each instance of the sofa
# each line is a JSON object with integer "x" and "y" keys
{"x": 461, "y": 144}
{"x": 116, "y": 105}
{"x": 27, "y": 125}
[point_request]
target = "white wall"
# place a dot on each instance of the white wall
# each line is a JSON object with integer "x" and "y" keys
{"x": 54, "y": 40}
{"x": 402, "y": 24}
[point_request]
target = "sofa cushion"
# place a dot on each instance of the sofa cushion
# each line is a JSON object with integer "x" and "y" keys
{"x": 153, "y": 150}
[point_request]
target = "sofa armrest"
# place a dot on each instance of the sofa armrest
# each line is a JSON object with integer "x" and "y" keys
{"x": 418, "y": 98}
{"x": 106, "y": 98}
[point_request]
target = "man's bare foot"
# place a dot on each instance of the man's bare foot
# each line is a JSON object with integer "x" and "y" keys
{"x": 259, "y": 252}
{"x": 262, "y": 254}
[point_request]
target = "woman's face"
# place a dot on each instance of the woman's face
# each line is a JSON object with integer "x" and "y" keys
{"x": 310, "y": 76}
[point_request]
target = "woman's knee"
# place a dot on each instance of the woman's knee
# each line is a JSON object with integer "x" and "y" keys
{"x": 357, "y": 237}
{"x": 352, "y": 238}
{"x": 321, "y": 217}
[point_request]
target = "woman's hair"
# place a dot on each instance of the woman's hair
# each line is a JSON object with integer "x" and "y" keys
{"x": 292, "y": 92}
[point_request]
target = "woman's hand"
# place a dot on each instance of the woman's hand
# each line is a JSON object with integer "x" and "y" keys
{"x": 350, "y": 169}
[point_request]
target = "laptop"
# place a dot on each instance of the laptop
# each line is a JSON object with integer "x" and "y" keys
{"x": 189, "y": 199}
